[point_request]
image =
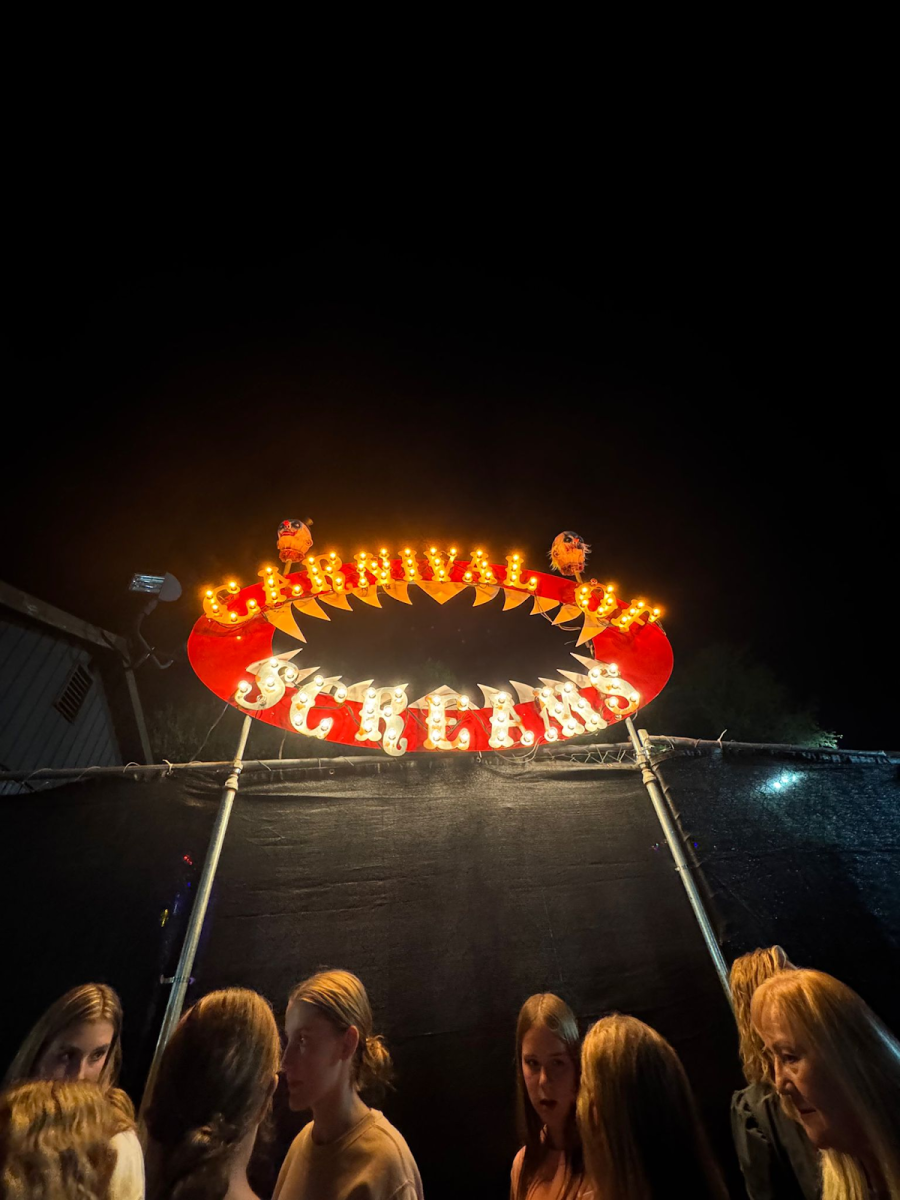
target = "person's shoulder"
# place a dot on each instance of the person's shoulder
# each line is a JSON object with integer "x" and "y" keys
{"x": 126, "y": 1141}
{"x": 380, "y": 1127}
{"x": 127, "y": 1181}
{"x": 388, "y": 1145}
{"x": 293, "y": 1160}
{"x": 302, "y": 1139}
{"x": 749, "y": 1099}
{"x": 517, "y": 1167}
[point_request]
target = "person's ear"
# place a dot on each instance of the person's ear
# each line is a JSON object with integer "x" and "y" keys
{"x": 349, "y": 1041}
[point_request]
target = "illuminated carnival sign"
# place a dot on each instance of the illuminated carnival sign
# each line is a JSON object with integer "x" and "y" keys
{"x": 230, "y": 648}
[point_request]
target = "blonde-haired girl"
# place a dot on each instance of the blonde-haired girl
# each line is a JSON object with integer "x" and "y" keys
{"x": 56, "y": 1141}
{"x": 215, "y": 1084}
{"x": 777, "y": 1159}
{"x": 640, "y": 1129}
{"x": 837, "y": 1070}
{"x": 79, "y": 1038}
{"x": 550, "y": 1165}
{"x": 332, "y": 1054}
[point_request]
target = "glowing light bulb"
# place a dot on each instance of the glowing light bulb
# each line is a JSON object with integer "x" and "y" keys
{"x": 463, "y": 702}
{"x": 244, "y": 687}
{"x": 268, "y": 570}
{"x": 304, "y": 699}
{"x": 552, "y": 735}
{"x": 545, "y": 692}
{"x": 371, "y": 693}
{"x": 318, "y": 681}
{"x": 215, "y": 608}
{"x": 297, "y": 589}
{"x": 209, "y": 593}
{"x": 502, "y": 697}
{"x": 234, "y": 616}
{"x": 232, "y": 587}
{"x": 252, "y": 604}
{"x": 326, "y": 724}
{"x": 341, "y": 694}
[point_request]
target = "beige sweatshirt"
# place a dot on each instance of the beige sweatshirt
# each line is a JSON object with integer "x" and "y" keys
{"x": 371, "y": 1161}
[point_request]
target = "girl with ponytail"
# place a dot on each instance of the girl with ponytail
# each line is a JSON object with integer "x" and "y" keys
{"x": 215, "y": 1085}
{"x": 332, "y": 1054}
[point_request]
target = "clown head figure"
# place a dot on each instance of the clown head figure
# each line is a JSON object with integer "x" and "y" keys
{"x": 294, "y": 539}
{"x": 569, "y": 553}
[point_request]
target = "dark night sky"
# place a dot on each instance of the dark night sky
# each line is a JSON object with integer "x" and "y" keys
{"x": 712, "y": 417}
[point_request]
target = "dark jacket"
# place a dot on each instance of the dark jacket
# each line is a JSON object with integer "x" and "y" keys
{"x": 777, "y": 1158}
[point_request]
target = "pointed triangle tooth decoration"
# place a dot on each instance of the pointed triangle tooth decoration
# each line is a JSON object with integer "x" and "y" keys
{"x": 397, "y": 589}
{"x": 483, "y": 595}
{"x": 368, "y": 596}
{"x": 336, "y": 600}
{"x": 311, "y": 608}
{"x": 283, "y": 619}
{"x": 543, "y": 604}
{"x": 568, "y": 612}
{"x": 442, "y": 592}
{"x": 513, "y": 599}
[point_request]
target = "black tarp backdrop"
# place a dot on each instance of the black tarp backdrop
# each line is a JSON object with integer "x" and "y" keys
{"x": 455, "y": 888}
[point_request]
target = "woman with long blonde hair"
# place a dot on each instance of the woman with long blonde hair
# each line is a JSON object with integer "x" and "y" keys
{"x": 79, "y": 1038}
{"x": 837, "y": 1070}
{"x": 333, "y": 1055}
{"x": 640, "y": 1129}
{"x": 777, "y": 1159}
{"x": 550, "y": 1164}
{"x": 214, "y": 1086}
{"x": 56, "y": 1141}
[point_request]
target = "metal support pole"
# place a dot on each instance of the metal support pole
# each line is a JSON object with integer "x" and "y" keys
{"x": 681, "y": 865}
{"x": 182, "y": 975}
